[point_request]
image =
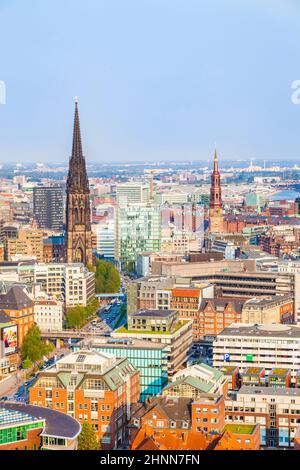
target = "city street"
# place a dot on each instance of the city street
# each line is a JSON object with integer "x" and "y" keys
{"x": 107, "y": 320}
{"x": 9, "y": 386}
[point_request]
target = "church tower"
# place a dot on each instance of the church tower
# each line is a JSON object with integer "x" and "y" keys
{"x": 78, "y": 212}
{"x": 216, "y": 208}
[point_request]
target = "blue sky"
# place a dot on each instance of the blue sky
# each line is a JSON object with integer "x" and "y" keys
{"x": 156, "y": 79}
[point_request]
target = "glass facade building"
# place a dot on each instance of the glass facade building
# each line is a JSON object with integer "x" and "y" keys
{"x": 15, "y": 425}
{"x": 150, "y": 361}
{"x": 138, "y": 230}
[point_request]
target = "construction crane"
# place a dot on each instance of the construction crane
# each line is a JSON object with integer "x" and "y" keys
{"x": 152, "y": 172}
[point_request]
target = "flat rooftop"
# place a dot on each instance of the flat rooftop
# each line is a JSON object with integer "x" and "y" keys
{"x": 228, "y": 369}
{"x": 267, "y": 300}
{"x": 253, "y": 370}
{"x": 154, "y": 313}
{"x": 275, "y": 330}
{"x": 57, "y": 424}
{"x": 122, "y": 343}
{"x": 241, "y": 428}
{"x": 279, "y": 372}
{"x": 280, "y": 391}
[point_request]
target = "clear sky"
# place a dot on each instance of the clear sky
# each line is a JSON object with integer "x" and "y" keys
{"x": 156, "y": 79}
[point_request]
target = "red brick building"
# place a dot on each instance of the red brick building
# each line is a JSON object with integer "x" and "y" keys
{"x": 216, "y": 314}
{"x": 181, "y": 424}
{"x": 19, "y": 307}
{"x": 93, "y": 387}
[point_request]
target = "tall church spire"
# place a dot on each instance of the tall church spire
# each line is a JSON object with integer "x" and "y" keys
{"x": 216, "y": 165}
{"x": 78, "y": 213}
{"x": 216, "y": 208}
{"x": 77, "y": 177}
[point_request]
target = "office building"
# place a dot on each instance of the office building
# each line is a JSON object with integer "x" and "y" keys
{"x": 133, "y": 192}
{"x": 162, "y": 327}
{"x": 261, "y": 346}
{"x": 48, "y": 207}
{"x": 137, "y": 231}
{"x": 106, "y": 239}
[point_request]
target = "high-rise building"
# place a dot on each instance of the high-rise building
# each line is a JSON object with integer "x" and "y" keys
{"x": 216, "y": 209}
{"x": 48, "y": 207}
{"x": 105, "y": 236}
{"x": 137, "y": 231}
{"x": 78, "y": 214}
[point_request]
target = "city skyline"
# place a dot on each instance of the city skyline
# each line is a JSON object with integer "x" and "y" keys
{"x": 146, "y": 96}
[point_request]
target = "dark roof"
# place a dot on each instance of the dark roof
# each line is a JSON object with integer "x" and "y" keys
{"x": 57, "y": 424}
{"x": 15, "y": 299}
{"x": 4, "y": 318}
{"x": 153, "y": 313}
{"x": 221, "y": 304}
{"x": 174, "y": 408}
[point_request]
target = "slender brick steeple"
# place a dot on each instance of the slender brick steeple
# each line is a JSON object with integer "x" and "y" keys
{"x": 78, "y": 214}
{"x": 216, "y": 208}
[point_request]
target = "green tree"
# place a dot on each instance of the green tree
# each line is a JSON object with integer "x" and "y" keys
{"x": 80, "y": 315}
{"x": 87, "y": 439}
{"x": 33, "y": 347}
{"x": 27, "y": 364}
{"x": 107, "y": 278}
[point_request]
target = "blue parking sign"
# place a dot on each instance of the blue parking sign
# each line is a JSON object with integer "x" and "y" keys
{"x": 226, "y": 357}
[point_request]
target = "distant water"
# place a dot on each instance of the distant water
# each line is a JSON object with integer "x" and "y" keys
{"x": 286, "y": 194}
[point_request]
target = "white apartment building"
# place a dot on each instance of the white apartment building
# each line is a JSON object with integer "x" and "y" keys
{"x": 72, "y": 283}
{"x": 268, "y": 346}
{"x": 49, "y": 314}
{"x": 134, "y": 192}
{"x": 293, "y": 268}
{"x": 276, "y": 410}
